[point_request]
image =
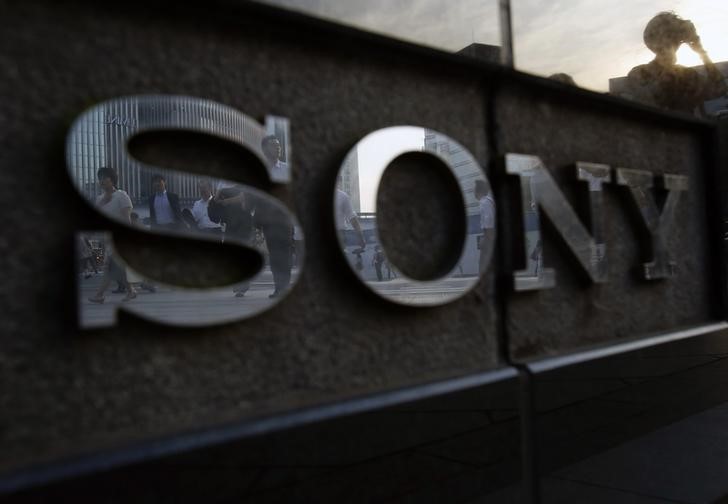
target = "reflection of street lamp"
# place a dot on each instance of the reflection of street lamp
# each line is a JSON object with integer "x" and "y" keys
{"x": 506, "y": 28}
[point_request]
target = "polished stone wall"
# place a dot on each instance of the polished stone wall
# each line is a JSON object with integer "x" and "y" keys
{"x": 577, "y": 313}
{"x": 64, "y": 392}
{"x": 329, "y": 339}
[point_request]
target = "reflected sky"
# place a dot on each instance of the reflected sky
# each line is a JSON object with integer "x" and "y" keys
{"x": 375, "y": 155}
{"x": 595, "y": 40}
{"x": 446, "y": 25}
{"x": 592, "y": 40}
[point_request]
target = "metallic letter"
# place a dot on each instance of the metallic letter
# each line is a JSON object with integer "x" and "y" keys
{"x": 538, "y": 189}
{"x": 355, "y": 215}
{"x": 98, "y": 139}
{"x": 657, "y": 223}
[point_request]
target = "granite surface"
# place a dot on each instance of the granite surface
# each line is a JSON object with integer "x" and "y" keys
{"x": 64, "y": 392}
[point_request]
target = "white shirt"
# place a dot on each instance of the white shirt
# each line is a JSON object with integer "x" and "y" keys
{"x": 163, "y": 209}
{"x": 487, "y": 212}
{"x": 279, "y": 170}
{"x": 344, "y": 210}
{"x": 114, "y": 207}
{"x": 202, "y": 218}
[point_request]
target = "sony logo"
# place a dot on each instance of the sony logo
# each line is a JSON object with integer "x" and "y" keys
{"x": 118, "y": 186}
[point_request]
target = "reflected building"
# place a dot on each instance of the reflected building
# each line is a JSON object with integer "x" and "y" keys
{"x": 350, "y": 180}
{"x": 99, "y": 139}
{"x": 106, "y": 129}
{"x": 466, "y": 173}
{"x": 482, "y": 52}
{"x": 462, "y": 165}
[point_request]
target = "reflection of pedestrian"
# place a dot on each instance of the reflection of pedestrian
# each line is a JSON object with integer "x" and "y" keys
{"x": 665, "y": 84}
{"x": 164, "y": 210}
{"x": 378, "y": 261}
{"x": 200, "y": 213}
{"x": 278, "y": 233}
{"x": 116, "y": 204}
{"x": 298, "y": 247}
{"x": 272, "y": 150}
{"x": 231, "y": 207}
{"x": 345, "y": 215}
{"x": 391, "y": 273}
{"x": 537, "y": 257}
{"x": 136, "y": 221}
{"x": 486, "y": 205}
{"x": 275, "y": 225}
{"x": 359, "y": 263}
{"x": 87, "y": 260}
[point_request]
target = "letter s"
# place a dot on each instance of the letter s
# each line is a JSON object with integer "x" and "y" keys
{"x": 98, "y": 138}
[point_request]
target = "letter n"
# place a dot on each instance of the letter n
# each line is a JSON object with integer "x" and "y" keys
{"x": 539, "y": 191}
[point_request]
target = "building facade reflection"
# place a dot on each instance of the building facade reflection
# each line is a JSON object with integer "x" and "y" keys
{"x": 167, "y": 203}
{"x": 358, "y": 232}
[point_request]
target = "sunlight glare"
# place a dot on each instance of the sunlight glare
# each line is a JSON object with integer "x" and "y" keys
{"x": 710, "y": 19}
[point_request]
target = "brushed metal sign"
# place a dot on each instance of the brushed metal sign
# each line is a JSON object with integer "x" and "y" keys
{"x": 157, "y": 200}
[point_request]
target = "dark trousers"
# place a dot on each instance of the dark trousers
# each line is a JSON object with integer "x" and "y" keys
{"x": 378, "y": 267}
{"x": 280, "y": 255}
{"x": 174, "y": 226}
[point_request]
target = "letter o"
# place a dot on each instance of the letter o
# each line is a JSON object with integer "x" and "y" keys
{"x": 358, "y": 183}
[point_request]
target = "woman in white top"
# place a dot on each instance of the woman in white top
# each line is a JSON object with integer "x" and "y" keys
{"x": 116, "y": 204}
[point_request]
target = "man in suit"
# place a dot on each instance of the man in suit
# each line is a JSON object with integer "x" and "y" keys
{"x": 274, "y": 224}
{"x": 164, "y": 210}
